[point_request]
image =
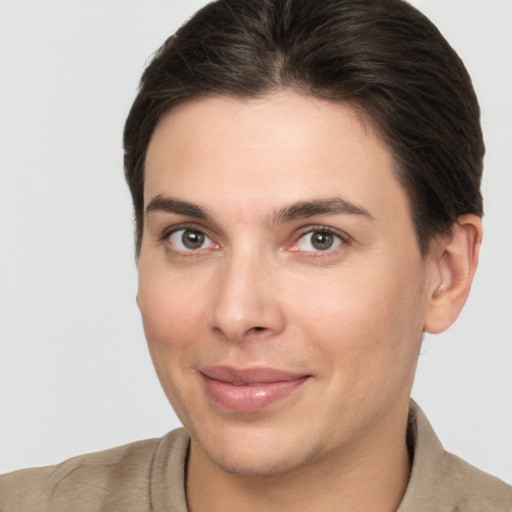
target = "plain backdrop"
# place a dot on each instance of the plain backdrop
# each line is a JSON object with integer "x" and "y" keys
{"x": 75, "y": 373}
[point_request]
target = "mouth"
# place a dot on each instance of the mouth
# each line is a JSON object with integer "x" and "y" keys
{"x": 249, "y": 389}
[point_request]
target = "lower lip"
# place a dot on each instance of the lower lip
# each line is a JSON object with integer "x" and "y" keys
{"x": 250, "y": 398}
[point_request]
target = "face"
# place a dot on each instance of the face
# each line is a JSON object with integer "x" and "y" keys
{"x": 281, "y": 286}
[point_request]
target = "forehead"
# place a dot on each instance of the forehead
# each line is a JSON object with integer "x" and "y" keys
{"x": 256, "y": 153}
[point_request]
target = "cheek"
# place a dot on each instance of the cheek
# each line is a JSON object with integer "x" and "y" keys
{"x": 172, "y": 317}
{"x": 171, "y": 313}
{"x": 368, "y": 340}
{"x": 369, "y": 325}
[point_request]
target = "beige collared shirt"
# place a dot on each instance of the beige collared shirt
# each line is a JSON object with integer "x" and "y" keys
{"x": 149, "y": 476}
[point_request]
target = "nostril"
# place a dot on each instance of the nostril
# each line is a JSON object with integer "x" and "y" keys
{"x": 257, "y": 329}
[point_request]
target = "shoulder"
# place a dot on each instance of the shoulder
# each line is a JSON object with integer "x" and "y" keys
{"x": 442, "y": 481}
{"x": 118, "y": 479}
{"x": 476, "y": 490}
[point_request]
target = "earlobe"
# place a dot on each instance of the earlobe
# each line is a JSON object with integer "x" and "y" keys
{"x": 455, "y": 259}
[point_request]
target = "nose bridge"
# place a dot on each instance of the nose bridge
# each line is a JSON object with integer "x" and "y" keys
{"x": 246, "y": 300}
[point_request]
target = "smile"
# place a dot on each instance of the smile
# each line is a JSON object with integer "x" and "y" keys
{"x": 249, "y": 390}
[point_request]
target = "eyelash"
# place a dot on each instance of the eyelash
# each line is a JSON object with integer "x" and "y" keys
{"x": 344, "y": 241}
{"x": 168, "y": 232}
{"x": 344, "y": 238}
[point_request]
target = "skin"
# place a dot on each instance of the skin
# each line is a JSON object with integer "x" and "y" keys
{"x": 258, "y": 292}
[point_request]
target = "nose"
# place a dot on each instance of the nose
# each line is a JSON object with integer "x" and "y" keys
{"x": 246, "y": 300}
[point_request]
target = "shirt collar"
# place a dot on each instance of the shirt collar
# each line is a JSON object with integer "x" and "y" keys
{"x": 432, "y": 485}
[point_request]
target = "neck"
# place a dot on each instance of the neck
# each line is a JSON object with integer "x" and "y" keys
{"x": 371, "y": 475}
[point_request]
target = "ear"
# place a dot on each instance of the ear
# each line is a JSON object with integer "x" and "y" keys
{"x": 454, "y": 259}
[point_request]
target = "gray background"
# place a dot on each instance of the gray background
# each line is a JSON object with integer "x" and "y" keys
{"x": 75, "y": 373}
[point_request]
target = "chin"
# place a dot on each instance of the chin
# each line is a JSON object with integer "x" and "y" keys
{"x": 259, "y": 452}
{"x": 258, "y": 465}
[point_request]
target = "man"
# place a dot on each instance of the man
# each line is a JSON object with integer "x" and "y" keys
{"x": 305, "y": 178}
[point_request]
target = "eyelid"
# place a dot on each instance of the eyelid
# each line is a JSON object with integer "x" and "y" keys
{"x": 169, "y": 230}
{"x": 184, "y": 226}
{"x": 345, "y": 239}
{"x": 299, "y": 233}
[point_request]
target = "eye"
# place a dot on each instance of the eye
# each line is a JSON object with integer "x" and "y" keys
{"x": 189, "y": 240}
{"x": 318, "y": 240}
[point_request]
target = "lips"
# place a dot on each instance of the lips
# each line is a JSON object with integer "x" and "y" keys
{"x": 249, "y": 389}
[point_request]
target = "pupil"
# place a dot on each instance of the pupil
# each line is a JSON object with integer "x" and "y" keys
{"x": 322, "y": 241}
{"x": 192, "y": 239}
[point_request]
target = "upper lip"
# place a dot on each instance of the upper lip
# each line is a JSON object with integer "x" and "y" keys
{"x": 263, "y": 375}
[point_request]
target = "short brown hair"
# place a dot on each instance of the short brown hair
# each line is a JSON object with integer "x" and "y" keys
{"x": 382, "y": 57}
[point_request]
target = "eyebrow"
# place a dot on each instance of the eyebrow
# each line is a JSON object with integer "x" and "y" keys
{"x": 294, "y": 211}
{"x": 170, "y": 205}
{"x": 328, "y": 206}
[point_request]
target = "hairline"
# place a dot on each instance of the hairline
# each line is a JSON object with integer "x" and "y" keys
{"x": 369, "y": 124}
